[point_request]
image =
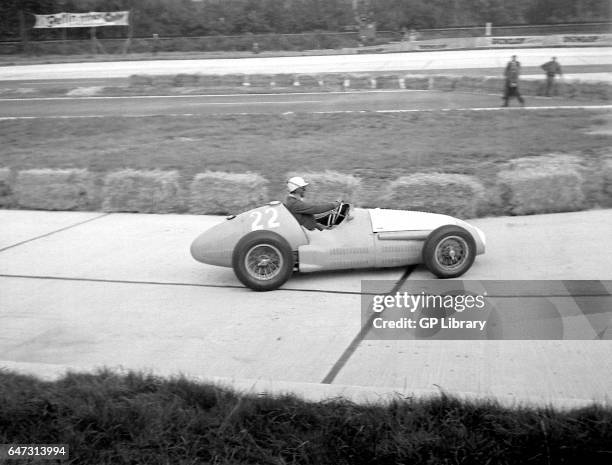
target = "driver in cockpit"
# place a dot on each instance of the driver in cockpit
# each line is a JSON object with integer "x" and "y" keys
{"x": 304, "y": 212}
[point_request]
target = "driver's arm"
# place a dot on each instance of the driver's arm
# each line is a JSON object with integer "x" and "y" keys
{"x": 311, "y": 208}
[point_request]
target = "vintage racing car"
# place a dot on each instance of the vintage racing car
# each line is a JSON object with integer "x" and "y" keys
{"x": 266, "y": 245}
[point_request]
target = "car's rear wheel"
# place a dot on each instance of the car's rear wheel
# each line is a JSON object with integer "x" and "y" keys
{"x": 449, "y": 251}
{"x": 263, "y": 260}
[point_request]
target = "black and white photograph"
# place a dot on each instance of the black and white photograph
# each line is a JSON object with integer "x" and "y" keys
{"x": 306, "y": 232}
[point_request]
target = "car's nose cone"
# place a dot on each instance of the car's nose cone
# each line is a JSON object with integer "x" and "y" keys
{"x": 215, "y": 246}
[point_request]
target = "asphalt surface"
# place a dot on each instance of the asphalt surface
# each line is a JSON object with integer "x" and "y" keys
{"x": 84, "y": 290}
{"x": 439, "y": 60}
{"x": 533, "y": 72}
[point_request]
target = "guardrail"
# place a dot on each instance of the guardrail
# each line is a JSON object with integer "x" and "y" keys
{"x": 555, "y": 40}
{"x": 521, "y": 30}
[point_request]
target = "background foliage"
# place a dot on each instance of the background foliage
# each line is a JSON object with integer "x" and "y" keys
{"x": 230, "y": 17}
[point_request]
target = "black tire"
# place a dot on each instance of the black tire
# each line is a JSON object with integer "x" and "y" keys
{"x": 449, "y": 251}
{"x": 263, "y": 260}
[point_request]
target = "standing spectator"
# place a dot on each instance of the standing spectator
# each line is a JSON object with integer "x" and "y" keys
{"x": 551, "y": 68}
{"x": 414, "y": 35}
{"x": 512, "y": 73}
{"x": 155, "y": 43}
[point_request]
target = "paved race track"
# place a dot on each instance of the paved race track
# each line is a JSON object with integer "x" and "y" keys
{"x": 84, "y": 290}
{"x": 439, "y": 61}
{"x": 92, "y": 289}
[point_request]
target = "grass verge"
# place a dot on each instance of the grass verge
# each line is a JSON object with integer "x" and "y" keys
{"x": 377, "y": 148}
{"x": 137, "y": 418}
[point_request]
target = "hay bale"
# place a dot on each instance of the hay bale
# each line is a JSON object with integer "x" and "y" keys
{"x": 224, "y": 80}
{"x": 233, "y": 80}
{"x": 186, "y": 80}
{"x": 163, "y": 80}
{"x": 210, "y": 80}
{"x": 47, "y": 189}
{"x": 359, "y": 81}
{"x": 332, "y": 80}
{"x": 446, "y": 83}
{"x": 283, "y": 80}
{"x": 140, "y": 80}
{"x": 388, "y": 82}
{"x": 450, "y": 194}
{"x": 594, "y": 90}
{"x": 6, "y": 189}
{"x": 223, "y": 193}
{"x": 260, "y": 80}
{"x": 328, "y": 186}
{"x": 607, "y": 183}
{"x": 142, "y": 191}
{"x": 308, "y": 81}
{"x": 476, "y": 83}
{"x": 416, "y": 82}
{"x": 547, "y": 184}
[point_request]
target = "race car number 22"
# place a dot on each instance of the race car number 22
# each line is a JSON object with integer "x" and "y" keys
{"x": 269, "y": 217}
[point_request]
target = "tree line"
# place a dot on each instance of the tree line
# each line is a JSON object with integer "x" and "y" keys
{"x": 235, "y": 17}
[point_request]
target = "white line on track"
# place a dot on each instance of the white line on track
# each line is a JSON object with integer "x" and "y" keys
{"x": 560, "y": 107}
{"x": 256, "y": 102}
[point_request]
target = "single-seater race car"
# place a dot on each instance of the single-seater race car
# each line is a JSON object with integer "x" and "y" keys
{"x": 266, "y": 245}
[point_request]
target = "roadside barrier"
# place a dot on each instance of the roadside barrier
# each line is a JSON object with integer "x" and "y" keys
{"x": 418, "y": 82}
{"x": 388, "y": 81}
{"x": 530, "y": 185}
{"x": 607, "y": 183}
{"x": 185, "y": 80}
{"x": 335, "y": 81}
{"x": 6, "y": 191}
{"x": 222, "y": 193}
{"x": 283, "y": 80}
{"x": 306, "y": 80}
{"x": 142, "y": 191}
{"x": 545, "y": 184}
{"x": 451, "y": 194}
{"x": 359, "y": 81}
{"x": 259, "y": 80}
{"x": 527, "y": 41}
{"x": 47, "y": 189}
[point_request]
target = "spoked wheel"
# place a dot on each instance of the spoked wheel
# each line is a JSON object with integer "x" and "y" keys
{"x": 263, "y": 260}
{"x": 449, "y": 251}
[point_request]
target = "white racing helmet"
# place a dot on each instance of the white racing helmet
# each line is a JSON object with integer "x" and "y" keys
{"x": 295, "y": 183}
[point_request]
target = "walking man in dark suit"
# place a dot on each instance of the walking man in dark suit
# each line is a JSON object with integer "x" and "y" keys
{"x": 512, "y": 73}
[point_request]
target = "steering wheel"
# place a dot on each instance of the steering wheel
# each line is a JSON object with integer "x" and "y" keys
{"x": 337, "y": 213}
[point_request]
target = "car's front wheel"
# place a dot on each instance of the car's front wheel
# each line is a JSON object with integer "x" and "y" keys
{"x": 263, "y": 260}
{"x": 449, "y": 251}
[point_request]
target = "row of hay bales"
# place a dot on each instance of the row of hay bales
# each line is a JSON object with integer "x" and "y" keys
{"x": 335, "y": 81}
{"x": 530, "y": 185}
